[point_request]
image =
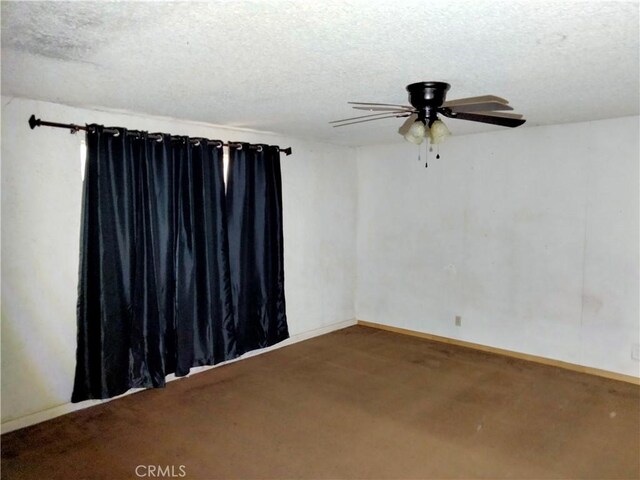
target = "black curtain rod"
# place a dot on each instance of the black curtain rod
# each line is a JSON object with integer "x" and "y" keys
{"x": 36, "y": 122}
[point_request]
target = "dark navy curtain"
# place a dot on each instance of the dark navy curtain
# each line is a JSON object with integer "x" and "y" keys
{"x": 254, "y": 213}
{"x": 161, "y": 289}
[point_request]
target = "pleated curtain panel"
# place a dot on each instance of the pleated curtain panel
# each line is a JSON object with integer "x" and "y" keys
{"x": 174, "y": 271}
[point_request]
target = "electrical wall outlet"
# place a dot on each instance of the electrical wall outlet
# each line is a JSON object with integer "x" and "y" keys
{"x": 635, "y": 351}
{"x": 458, "y": 320}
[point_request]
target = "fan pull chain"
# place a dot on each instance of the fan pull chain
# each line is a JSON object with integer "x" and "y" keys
{"x": 430, "y": 149}
{"x": 438, "y": 150}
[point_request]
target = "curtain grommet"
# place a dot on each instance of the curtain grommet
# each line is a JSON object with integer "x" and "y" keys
{"x": 259, "y": 148}
{"x": 116, "y": 134}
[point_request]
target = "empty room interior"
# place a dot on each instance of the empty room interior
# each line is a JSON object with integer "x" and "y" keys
{"x": 320, "y": 240}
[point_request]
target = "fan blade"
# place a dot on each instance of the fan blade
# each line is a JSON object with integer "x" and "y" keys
{"x": 471, "y": 100}
{"x": 480, "y": 107}
{"x": 502, "y": 114}
{"x": 380, "y": 104}
{"x": 365, "y": 116}
{"x": 371, "y": 119}
{"x": 404, "y": 128}
{"x": 477, "y": 117}
{"x": 385, "y": 109}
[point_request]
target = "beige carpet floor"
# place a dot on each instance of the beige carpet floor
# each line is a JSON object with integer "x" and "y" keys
{"x": 358, "y": 403}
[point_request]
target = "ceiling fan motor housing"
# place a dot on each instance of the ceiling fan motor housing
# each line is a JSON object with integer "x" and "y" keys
{"x": 427, "y": 97}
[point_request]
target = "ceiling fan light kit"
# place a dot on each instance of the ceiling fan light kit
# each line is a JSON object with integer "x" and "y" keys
{"x": 427, "y": 101}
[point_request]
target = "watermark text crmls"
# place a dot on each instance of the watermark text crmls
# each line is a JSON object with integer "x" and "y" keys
{"x": 161, "y": 471}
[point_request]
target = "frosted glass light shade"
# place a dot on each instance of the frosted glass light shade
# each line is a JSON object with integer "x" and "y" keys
{"x": 438, "y": 132}
{"x": 416, "y": 133}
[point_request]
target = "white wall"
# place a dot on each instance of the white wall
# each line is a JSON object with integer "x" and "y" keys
{"x": 530, "y": 235}
{"x": 41, "y": 196}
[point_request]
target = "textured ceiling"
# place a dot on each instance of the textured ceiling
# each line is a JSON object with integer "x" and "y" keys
{"x": 290, "y": 67}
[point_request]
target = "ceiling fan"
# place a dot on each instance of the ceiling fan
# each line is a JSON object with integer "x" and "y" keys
{"x": 428, "y": 100}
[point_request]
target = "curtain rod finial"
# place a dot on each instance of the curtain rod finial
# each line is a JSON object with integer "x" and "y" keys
{"x": 287, "y": 151}
{"x": 34, "y": 122}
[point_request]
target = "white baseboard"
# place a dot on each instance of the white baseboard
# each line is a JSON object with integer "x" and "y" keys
{"x": 63, "y": 409}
